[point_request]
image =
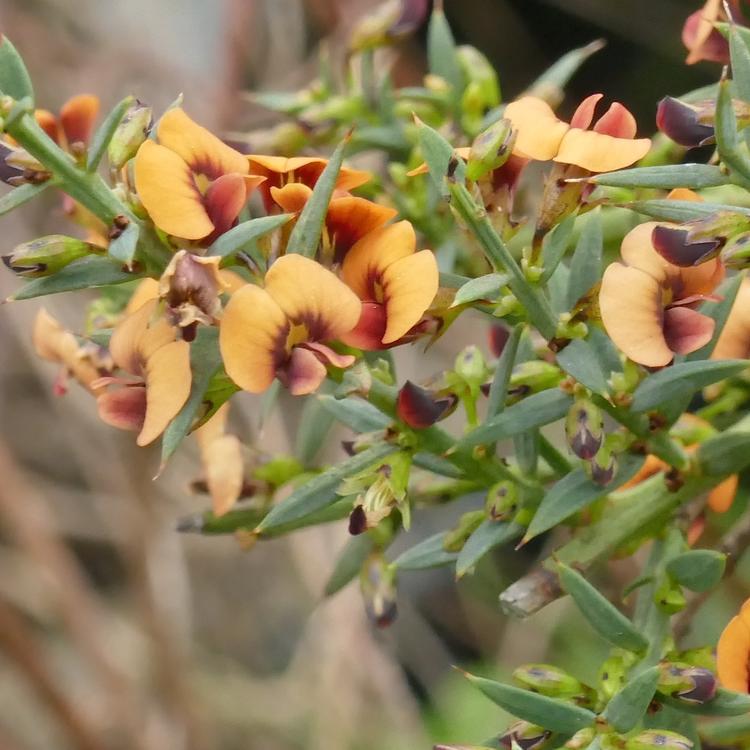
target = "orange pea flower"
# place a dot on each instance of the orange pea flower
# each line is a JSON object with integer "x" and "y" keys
{"x": 280, "y": 330}
{"x": 279, "y": 171}
{"x": 158, "y": 378}
{"x": 734, "y": 340}
{"x": 221, "y": 456}
{"x": 610, "y": 144}
{"x": 721, "y": 497}
{"x": 647, "y": 303}
{"x": 73, "y": 127}
{"x": 86, "y": 363}
{"x": 348, "y": 218}
{"x": 395, "y": 283}
{"x": 191, "y": 183}
{"x": 733, "y": 652}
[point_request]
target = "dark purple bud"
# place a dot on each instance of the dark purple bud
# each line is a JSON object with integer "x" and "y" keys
{"x": 419, "y": 408}
{"x": 704, "y": 687}
{"x": 680, "y": 122}
{"x": 603, "y": 467}
{"x": 499, "y": 336}
{"x": 357, "y": 521}
{"x": 674, "y": 246}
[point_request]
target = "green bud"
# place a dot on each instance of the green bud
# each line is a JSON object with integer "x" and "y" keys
{"x": 548, "y": 680}
{"x": 669, "y": 597}
{"x": 661, "y": 739}
{"x": 129, "y": 135}
{"x": 613, "y": 673}
{"x": 47, "y": 255}
{"x": 471, "y": 367}
{"x": 527, "y": 736}
{"x": 736, "y": 252}
{"x": 689, "y": 684}
{"x": 468, "y": 523}
{"x": 602, "y": 466}
{"x": 502, "y": 500}
{"x": 490, "y": 149}
{"x": 696, "y": 657}
{"x": 584, "y": 428}
{"x": 478, "y": 70}
{"x": 531, "y": 377}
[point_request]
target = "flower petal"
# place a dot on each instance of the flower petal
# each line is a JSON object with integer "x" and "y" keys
{"x": 48, "y": 123}
{"x": 199, "y": 148}
{"x": 700, "y": 37}
{"x": 292, "y": 197}
{"x": 221, "y": 456}
{"x": 652, "y": 465}
{"x": 584, "y": 114}
{"x": 630, "y": 301}
{"x": 410, "y": 286}
{"x": 350, "y": 218}
{"x": 734, "y": 340}
{"x": 146, "y": 290}
{"x": 638, "y": 251}
{"x": 225, "y": 198}
{"x": 168, "y": 379}
{"x": 252, "y": 336}
{"x": 303, "y": 373}
{"x": 310, "y": 294}
{"x": 617, "y": 121}
{"x": 330, "y": 355}
{"x": 597, "y": 152}
{"x": 721, "y": 497}
{"x": 77, "y": 118}
{"x": 732, "y": 652}
{"x": 123, "y": 408}
{"x": 167, "y": 189}
{"x": 370, "y": 329}
{"x": 539, "y": 130}
{"x": 124, "y": 345}
{"x": 365, "y": 263}
{"x": 307, "y": 170}
{"x": 686, "y": 330}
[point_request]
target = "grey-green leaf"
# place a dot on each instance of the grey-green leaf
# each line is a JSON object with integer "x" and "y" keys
{"x": 22, "y": 194}
{"x": 238, "y": 237}
{"x": 724, "y": 454}
{"x": 665, "y": 177}
{"x": 355, "y": 413}
{"x": 698, "y": 569}
{"x": 123, "y": 247}
{"x": 483, "y": 287}
{"x": 349, "y": 563}
{"x": 14, "y": 78}
{"x": 484, "y": 539}
{"x": 626, "y": 709}
{"x": 429, "y": 553}
{"x": 586, "y": 264}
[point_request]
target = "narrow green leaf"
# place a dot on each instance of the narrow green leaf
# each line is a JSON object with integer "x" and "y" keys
{"x": 205, "y": 361}
{"x": 93, "y": 271}
{"x": 335, "y": 511}
{"x": 349, "y": 563}
{"x": 355, "y": 413}
{"x": 726, "y": 732}
{"x": 575, "y": 492}
{"x": 242, "y": 516}
{"x": 437, "y": 465}
{"x": 429, "y": 553}
{"x": 718, "y": 312}
{"x": 600, "y": 613}
{"x": 503, "y": 371}
{"x": 484, "y": 539}
{"x": 683, "y": 379}
{"x": 626, "y": 709}
{"x": 534, "y": 411}
{"x": 724, "y": 703}
{"x": 321, "y": 491}
{"x": 483, "y": 287}
{"x": 559, "y": 73}
{"x": 698, "y": 569}
{"x": 681, "y": 211}
{"x": 123, "y": 247}
{"x": 314, "y": 426}
{"x": 586, "y": 264}
{"x": 665, "y": 177}
{"x": 236, "y": 239}
{"x": 17, "y": 196}
{"x": 554, "y": 247}
{"x": 305, "y": 236}
{"x": 438, "y": 155}
{"x": 105, "y": 131}
{"x": 725, "y": 454}
{"x": 727, "y": 137}
{"x": 441, "y": 51}
{"x": 550, "y": 713}
{"x": 740, "y": 57}
{"x": 14, "y": 78}
{"x": 580, "y": 360}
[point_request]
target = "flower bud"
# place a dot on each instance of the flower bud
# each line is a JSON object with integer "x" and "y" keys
{"x": 663, "y": 739}
{"x": 502, "y": 500}
{"x": 47, "y": 255}
{"x": 470, "y": 366}
{"x": 526, "y": 736}
{"x": 129, "y": 135}
{"x": 687, "y": 683}
{"x": 490, "y": 149}
{"x": 674, "y": 245}
{"x": 584, "y": 428}
{"x": 377, "y": 583}
{"x": 681, "y": 122}
{"x": 548, "y": 680}
{"x": 420, "y": 408}
{"x": 531, "y": 377}
{"x": 455, "y": 539}
{"x": 736, "y": 252}
{"x": 602, "y": 467}
{"x": 669, "y": 597}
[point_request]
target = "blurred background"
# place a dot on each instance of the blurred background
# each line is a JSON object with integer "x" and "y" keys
{"x": 117, "y": 632}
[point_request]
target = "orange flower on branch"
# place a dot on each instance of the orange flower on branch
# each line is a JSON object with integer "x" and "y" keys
{"x": 647, "y": 303}
{"x": 279, "y": 171}
{"x": 158, "y": 379}
{"x": 733, "y": 652}
{"x": 191, "y": 183}
{"x": 281, "y": 330}
{"x": 734, "y": 340}
{"x": 607, "y": 145}
{"x": 348, "y": 218}
{"x": 702, "y": 39}
{"x": 73, "y": 127}
{"x": 395, "y": 283}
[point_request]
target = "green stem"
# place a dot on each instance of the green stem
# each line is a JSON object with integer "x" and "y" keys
{"x": 536, "y": 306}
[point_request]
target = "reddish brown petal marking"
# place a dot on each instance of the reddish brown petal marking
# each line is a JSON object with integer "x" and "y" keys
{"x": 326, "y": 354}
{"x": 224, "y": 200}
{"x": 617, "y": 121}
{"x": 303, "y": 373}
{"x": 584, "y": 113}
{"x": 369, "y": 331}
{"x": 673, "y": 245}
{"x": 686, "y": 330}
{"x": 124, "y": 408}
{"x": 419, "y": 408}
